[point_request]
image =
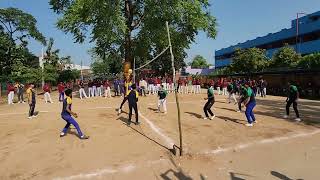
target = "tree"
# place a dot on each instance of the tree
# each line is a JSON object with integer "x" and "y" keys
{"x": 285, "y": 57}
{"x": 311, "y": 61}
{"x": 249, "y": 60}
{"x": 68, "y": 75}
{"x": 135, "y": 28}
{"x": 15, "y": 27}
{"x": 199, "y": 62}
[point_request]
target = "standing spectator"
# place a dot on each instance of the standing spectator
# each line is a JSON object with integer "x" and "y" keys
{"x": 61, "y": 88}
{"x": 94, "y": 88}
{"x": 224, "y": 87}
{"x": 263, "y": 88}
{"x": 219, "y": 84}
{"x": 47, "y": 90}
{"x": 82, "y": 92}
{"x": 107, "y": 92}
{"x": 198, "y": 83}
{"x": 10, "y": 89}
{"x": 150, "y": 85}
{"x": 116, "y": 87}
{"x": 90, "y": 88}
{"x": 143, "y": 85}
{"x": 99, "y": 89}
{"x": 20, "y": 91}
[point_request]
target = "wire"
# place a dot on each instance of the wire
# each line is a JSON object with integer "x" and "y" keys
{"x": 152, "y": 59}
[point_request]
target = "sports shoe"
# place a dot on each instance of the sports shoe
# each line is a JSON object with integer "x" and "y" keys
{"x": 84, "y": 137}
{"x": 285, "y": 116}
{"x": 62, "y": 134}
{"x": 297, "y": 119}
{"x": 30, "y": 117}
{"x": 238, "y": 111}
{"x": 137, "y": 123}
{"x": 34, "y": 116}
{"x": 213, "y": 117}
{"x": 255, "y": 121}
{"x": 119, "y": 111}
{"x": 205, "y": 118}
{"x": 249, "y": 125}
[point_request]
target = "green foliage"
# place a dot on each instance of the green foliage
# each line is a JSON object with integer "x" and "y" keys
{"x": 222, "y": 72}
{"x": 136, "y": 29}
{"x": 16, "y": 27}
{"x": 50, "y": 73}
{"x": 68, "y": 75}
{"x": 26, "y": 74}
{"x": 103, "y": 68}
{"x": 311, "y": 61}
{"x": 14, "y": 20}
{"x": 249, "y": 60}
{"x": 199, "y": 62}
{"x": 285, "y": 57}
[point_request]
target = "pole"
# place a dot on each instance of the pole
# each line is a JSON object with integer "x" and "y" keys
{"x": 42, "y": 66}
{"x": 81, "y": 71}
{"x": 134, "y": 70}
{"x": 175, "y": 82}
{"x": 297, "y": 31}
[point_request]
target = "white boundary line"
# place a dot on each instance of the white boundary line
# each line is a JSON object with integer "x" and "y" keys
{"x": 100, "y": 172}
{"x": 168, "y": 140}
{"x": 123, "y": 169}
{"x": 264, "y": 141}
{"x": 8, "y": 114}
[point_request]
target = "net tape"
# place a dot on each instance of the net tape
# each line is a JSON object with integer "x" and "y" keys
{"x": 152, "y": 59}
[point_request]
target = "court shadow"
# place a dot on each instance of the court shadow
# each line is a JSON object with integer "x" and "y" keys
{"x": 281, "y": 176}
{"x": 153, "y": 109}
{"x": 178, "y": 173}
{"x": 238, "y": 121}
{"x": 122, "y": 112}
{"x": 125, "y": 121}
{"x": 228, "y": 109}
{"x": 235, "y": 176}
{"x": 194, "y": 114}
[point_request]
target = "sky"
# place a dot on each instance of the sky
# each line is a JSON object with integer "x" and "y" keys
{"x": 238, "y": 21}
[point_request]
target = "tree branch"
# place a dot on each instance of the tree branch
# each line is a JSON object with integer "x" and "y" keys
{"x": 137, "y": 22}
{"x": 5, "y": 25}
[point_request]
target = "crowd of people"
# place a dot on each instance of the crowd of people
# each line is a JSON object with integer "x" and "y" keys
{"x": 242, "y": 92}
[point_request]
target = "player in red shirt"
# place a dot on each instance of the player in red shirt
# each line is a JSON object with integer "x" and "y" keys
{"x": 61, "y": 88}
{"x": 47, "y": 91}
{"x": 10, "y": 92}
{"x": 107, "y": 92}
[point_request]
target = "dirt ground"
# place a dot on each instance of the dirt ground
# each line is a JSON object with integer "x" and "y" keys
{"x": 223, "y": 148}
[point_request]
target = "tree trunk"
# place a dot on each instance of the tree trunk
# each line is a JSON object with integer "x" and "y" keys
{"x": 128, "y": 41}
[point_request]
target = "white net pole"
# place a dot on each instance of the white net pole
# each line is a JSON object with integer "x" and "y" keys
{"x": 175, "y": 86}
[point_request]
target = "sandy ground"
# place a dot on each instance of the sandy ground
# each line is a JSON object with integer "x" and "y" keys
{"x": 219, "y": 149}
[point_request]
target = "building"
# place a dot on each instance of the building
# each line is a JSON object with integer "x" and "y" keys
{"x": 190, "y": 71}
{"x": 304, "y": 36}
{"x": 86, "y": 71}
